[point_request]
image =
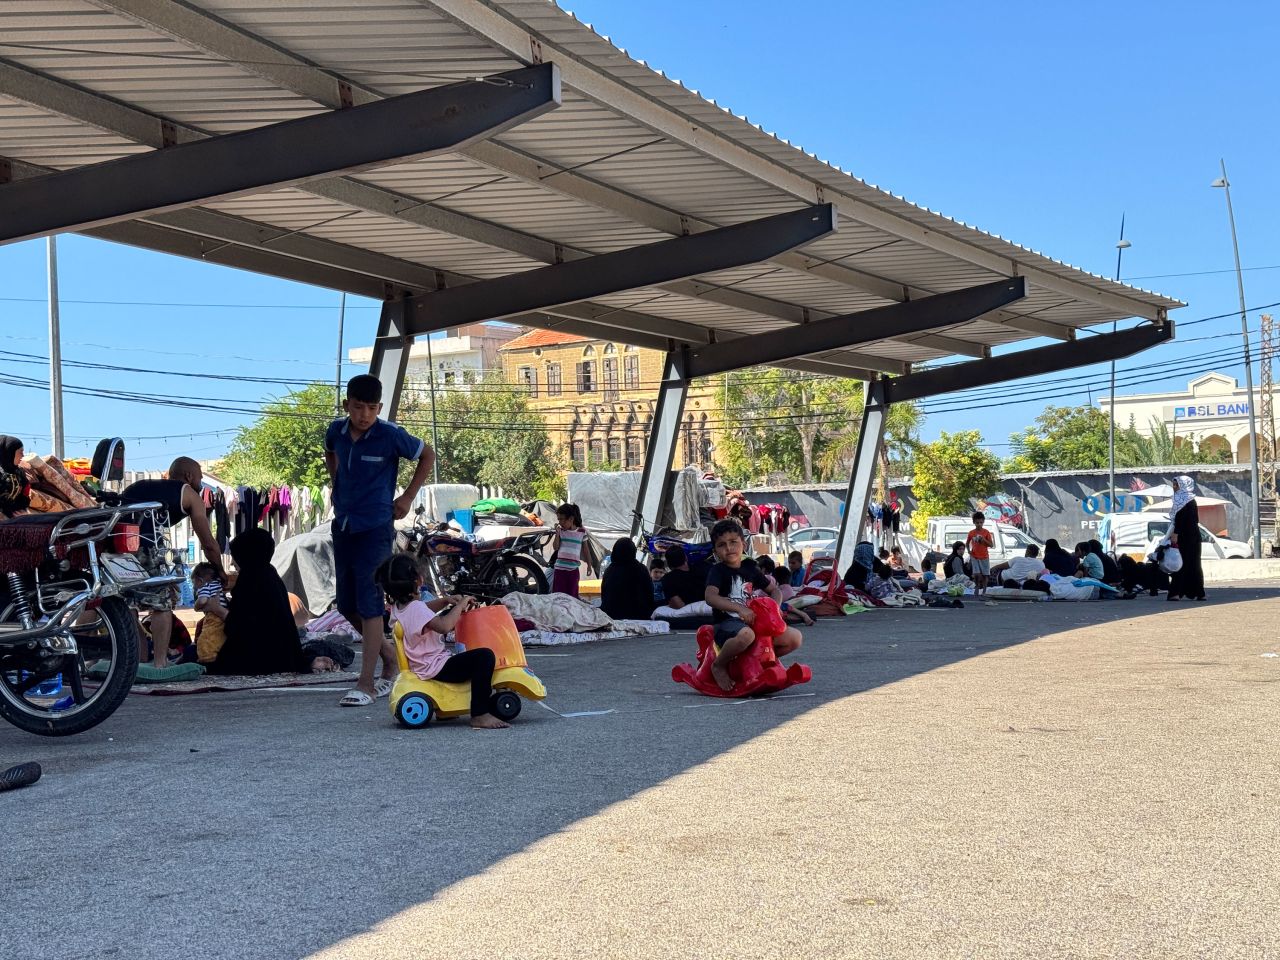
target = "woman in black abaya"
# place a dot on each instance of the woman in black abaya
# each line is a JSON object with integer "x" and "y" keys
{"x": 1189, "y": 581}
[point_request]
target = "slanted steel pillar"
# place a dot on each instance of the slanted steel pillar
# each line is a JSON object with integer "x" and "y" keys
{"x": 875, "y": 411}
{"x": 391, "y": 354}
{"x": 655, "y": 481}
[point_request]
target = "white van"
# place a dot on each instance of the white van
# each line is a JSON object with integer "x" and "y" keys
{"x": 1010, "y": 542}
{"x": 1138, "y": 533}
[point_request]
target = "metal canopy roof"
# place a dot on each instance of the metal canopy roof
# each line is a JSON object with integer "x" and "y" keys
{"x": 628, "y": 158}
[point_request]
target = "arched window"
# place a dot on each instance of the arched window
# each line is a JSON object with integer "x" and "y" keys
{"x": 631, "y": 368}
{"x": 578, "y": 454}
{"x": 615, "y": 451}
{"x": 597, "y": 453}
{"x": 610, "y": 349}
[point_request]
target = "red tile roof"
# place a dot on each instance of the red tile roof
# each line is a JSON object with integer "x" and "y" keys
{"x": 542, "y": 338}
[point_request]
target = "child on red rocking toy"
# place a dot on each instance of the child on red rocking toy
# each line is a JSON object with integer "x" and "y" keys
{"x": 425, "y": 626}
{"x": 726, "y": 594}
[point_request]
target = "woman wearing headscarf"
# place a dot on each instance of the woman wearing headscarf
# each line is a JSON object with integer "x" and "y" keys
{"x": 15, "y": 490}
{"x": 626, "y": 592}
{"x": 1057, "y": 560}
{"x": 1189, "y": 581}
{"x": 864, "y": 558}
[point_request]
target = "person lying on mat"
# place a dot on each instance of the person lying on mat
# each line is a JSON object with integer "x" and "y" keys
{"x": 727, "y": 586}
{"x": 424, "y": 631}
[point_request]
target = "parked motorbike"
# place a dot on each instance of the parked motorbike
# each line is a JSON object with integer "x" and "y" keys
{"x": 487, "y": 570}
{"x": 68, "y": 627}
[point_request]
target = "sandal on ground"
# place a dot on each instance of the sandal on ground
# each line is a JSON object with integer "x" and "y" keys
{"x": 355, "y": 698}
{"x": 23, "y": 775}
{"x": 382, "y": 687}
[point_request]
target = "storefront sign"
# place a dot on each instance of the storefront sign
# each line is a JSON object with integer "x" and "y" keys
{"x": 1235, "y": 408}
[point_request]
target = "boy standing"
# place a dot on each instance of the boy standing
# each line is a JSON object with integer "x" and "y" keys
{"x": 726, "y": 594}
{"x": 979, "y": 543}
{"x": 362, "y": 455}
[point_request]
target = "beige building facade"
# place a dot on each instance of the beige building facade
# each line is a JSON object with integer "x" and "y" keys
{"x": 464, "y": 355}
{"x": 597, "y": 398}
{"x": 1213, "y": 412}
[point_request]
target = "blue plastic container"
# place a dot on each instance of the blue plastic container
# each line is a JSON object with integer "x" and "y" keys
{"x": 466, "y": 520}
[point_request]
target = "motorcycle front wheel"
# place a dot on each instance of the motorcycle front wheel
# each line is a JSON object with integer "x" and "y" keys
{"x": 524, "y": 575}
{"x": 107, "y": 637}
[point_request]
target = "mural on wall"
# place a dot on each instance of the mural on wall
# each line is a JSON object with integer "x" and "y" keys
{"x": 1002, "y": 508}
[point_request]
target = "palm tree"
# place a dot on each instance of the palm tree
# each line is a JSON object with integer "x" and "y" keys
{"x": 901, "y": 438}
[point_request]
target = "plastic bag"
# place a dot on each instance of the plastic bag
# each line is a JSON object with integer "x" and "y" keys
{"x": 1171, "y": 562}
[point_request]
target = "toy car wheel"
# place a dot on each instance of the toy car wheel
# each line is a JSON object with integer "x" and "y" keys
{"x": 505, "y": 705}
{"x": 414, "y": 710}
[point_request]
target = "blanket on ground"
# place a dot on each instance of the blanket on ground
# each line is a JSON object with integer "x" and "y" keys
{"x": 557, "y": 612}
{"x": 621, "y": 629}
{"x": 211, "y": 683}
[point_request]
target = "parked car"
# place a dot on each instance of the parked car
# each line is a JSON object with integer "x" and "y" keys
{"x": 1010, "y": 542}
{"x": 1137, "y": 534}
{"x": 813, "y": 540}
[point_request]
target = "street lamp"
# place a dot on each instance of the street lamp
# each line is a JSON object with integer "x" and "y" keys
{"x": 1121, "y": 247}
{"x": 1256, "y": 519}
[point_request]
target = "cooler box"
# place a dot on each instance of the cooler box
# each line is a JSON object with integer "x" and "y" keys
{"x": 465, "y": 518}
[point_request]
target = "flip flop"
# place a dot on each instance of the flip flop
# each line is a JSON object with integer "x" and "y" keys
{"x": 23, "y": 775}
{"x": 355, "y": 698}
{"x": 382, "y": 687}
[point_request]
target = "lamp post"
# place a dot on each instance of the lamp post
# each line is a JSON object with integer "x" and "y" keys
{"x": 1121, "y": 246}
{"x": 1256, "y": 518}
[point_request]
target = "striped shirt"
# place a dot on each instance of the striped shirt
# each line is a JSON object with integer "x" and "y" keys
{"x": 569, "y": 556}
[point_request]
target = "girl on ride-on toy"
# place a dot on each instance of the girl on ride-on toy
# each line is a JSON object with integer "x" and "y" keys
{"x": 425, "y": 627}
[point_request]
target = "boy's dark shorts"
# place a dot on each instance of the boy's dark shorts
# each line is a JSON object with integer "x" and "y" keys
{"x": 726, "y": 630}
{"x": 355, "y": 557}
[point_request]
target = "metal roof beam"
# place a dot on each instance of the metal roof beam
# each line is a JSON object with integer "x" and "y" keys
{"x": 1029, "y": 363}
{"x": 293, "y": 73}
{"x": 514, "y": 38}
{"x": 415, "y": 124}
{"x": 642, "y": 266}
{"x": 865, "y": 326}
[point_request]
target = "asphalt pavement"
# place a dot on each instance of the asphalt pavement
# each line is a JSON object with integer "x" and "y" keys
{"x": 1049, "y": 780}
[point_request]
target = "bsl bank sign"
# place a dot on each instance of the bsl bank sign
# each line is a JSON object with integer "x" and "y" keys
{"x": 1238, "y": 408}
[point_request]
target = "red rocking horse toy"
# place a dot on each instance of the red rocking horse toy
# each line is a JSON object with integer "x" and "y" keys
{"x": 756, "y": 670}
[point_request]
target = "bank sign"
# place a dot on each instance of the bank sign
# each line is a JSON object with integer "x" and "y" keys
{"x": 1237, "y": 408}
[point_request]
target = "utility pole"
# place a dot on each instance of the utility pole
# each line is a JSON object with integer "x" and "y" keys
{"x": 337, "y": 376}
{"x": 1266, "y": 359}
{"x": 55, "y": 353}
{"x": 1121, "y": 246}
{"x": 431, "y": 387}
{"x": 1256, "y": 514}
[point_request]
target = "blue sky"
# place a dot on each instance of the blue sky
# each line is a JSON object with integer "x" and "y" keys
{"x": 1039, "y": 122}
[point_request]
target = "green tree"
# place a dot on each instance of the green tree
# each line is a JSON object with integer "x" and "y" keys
{"x": 949, "y": 472}
{"x": 286, "y": 444}
{"x": 488, "y": 435}
{"x": 1063, "y": 438}
{"x": 1161, "y": 449}
{"x": 782, "y": 421}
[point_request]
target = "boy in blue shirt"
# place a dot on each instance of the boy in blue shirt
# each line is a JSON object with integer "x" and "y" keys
{"x": 362, "y": 455}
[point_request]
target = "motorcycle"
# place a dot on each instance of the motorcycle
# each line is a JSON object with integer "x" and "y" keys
{"x": 68, "y": 628}
{"x": 487, "y": 570}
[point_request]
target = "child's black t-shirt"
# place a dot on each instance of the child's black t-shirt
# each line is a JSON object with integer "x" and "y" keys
{"x": 685, "y": 584}
{"x": 732, "y": 583}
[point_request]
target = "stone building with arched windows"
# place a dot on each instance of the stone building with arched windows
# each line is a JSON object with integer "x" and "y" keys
{"x": 1213, "y": 412}
{"x": 597, "y": 399}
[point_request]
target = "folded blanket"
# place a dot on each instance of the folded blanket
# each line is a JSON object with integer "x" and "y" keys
{"x": 622, "y": 629}
{"x": 557, "y": 612}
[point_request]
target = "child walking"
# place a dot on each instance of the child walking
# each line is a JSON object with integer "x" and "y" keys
{"x": 211, "y": 600}
{"x": 568, "y": 547}
{"x": 979, "y": 543}
{"x": 425, "y": 624}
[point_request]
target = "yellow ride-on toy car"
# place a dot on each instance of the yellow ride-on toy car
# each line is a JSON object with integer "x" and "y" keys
{"x": 415, "y": 702}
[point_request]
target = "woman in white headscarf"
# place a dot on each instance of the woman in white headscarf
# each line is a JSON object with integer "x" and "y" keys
{"x": 1185, "y": 535}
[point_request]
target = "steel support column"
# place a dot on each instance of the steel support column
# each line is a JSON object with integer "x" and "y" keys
{"x": 655, "y": 481}
{"x": 391, "y": 355}
{"x": 875, "y": 412}
{"x": 428, "y": 122}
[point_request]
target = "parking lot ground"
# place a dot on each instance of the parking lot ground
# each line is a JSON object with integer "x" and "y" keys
{"x": 1048, "y": 780}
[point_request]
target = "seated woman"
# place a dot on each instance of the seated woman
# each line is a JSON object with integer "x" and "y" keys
{"x": 15, "y": 490}
{"x": 261, "y": 635}
{"x": 864, "y": 555}
{"x": 626, "y": 591}
{"x": 953, "y": 566}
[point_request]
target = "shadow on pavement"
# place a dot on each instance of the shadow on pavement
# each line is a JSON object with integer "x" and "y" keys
{"x": 274, "y": 824}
